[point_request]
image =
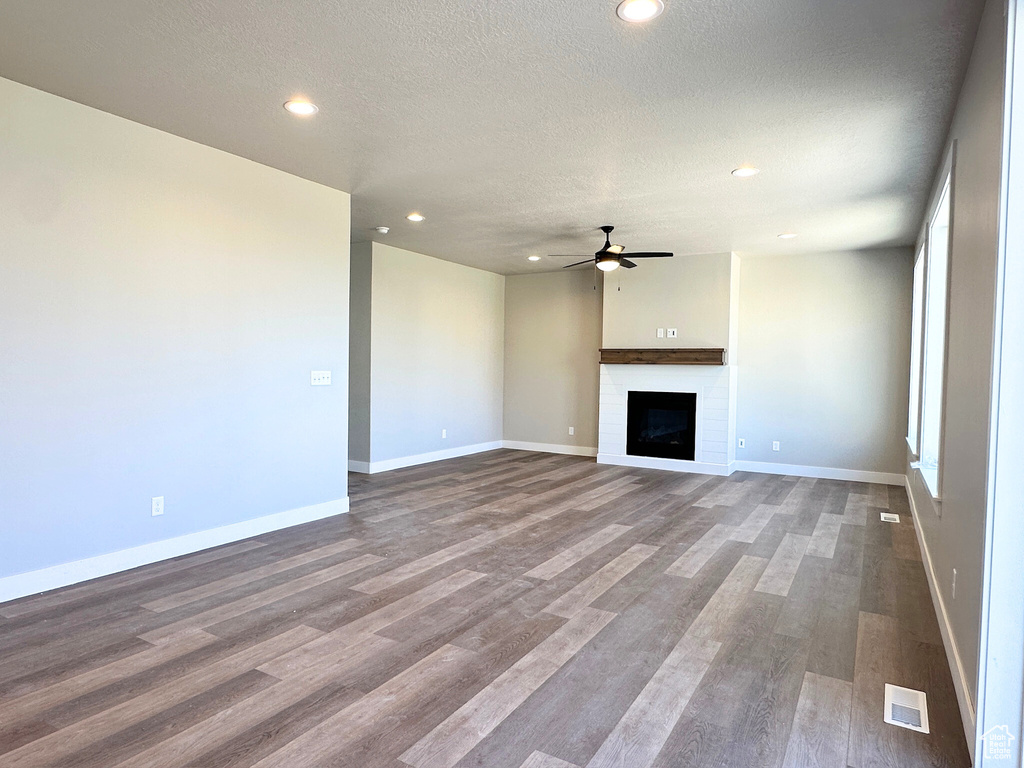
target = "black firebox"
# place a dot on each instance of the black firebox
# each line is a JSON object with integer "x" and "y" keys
{"x": 662, "y": 424}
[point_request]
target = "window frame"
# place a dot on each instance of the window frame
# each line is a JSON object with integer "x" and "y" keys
{"x": 946, "y": 185}
{"x": 917, "y": 327}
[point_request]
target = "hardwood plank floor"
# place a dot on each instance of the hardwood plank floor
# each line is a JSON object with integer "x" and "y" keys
{"x": 503, "y": 610}
{"x": 822, "y": 724}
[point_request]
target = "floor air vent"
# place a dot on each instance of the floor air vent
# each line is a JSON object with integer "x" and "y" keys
{"x": 890, "y": 517}
{"x": 906, "y": 708}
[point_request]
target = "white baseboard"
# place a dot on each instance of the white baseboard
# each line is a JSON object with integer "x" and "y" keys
{"x": 956, "y": 667}
{"x": 569, "y": 450}
{"x": 764, "y": 467}
{"x": 45, "y": 579}
{"x": 373, "y": 467}
{"x": 824, "y": 473}
{"x": 672, "y": 465}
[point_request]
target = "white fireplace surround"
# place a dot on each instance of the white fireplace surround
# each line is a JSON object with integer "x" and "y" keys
{"x": 715, "y": 387}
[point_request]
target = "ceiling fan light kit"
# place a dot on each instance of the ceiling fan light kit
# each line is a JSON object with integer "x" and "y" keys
{"x": 610, "y": 257}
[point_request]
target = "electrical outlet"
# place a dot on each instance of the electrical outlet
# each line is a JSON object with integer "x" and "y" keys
{"x": 320, "y": 378}
{"x": 742, "y": 443}
{"x": 673, "y": 333}
{"x": 158, "y": 506}
{"x": 444, "y": 434}
{"x": 954, "y": 583}
{"x": 661, "y": 333}
{"x": 775, "y": 445}
{"x": 572, "y": 430}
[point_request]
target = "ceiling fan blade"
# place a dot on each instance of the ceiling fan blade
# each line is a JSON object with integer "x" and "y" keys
{"x": 626, "y": 263}
{"x": 569, "y": 256}
{"x": 650, "y": 255}
{"x": 588, "y": 261}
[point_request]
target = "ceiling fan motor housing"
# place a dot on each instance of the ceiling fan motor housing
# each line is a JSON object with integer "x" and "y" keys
{"x": 611, "y": 257}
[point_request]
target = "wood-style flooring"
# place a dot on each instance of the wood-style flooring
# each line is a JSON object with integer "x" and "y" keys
{"x": 505, "y": 610}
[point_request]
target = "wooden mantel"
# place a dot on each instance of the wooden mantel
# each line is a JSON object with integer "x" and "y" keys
{"x": 666, "y": 356}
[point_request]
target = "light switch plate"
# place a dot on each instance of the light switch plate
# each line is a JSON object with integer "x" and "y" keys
{"x": 673, "y": 333}
{"x": 320, "y": 378}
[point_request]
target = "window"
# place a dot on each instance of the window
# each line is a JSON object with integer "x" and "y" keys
{"x": 934, "y": 343}
{"x": 917, "y": 333}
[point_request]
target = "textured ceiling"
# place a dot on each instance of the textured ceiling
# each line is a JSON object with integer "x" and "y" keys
{"x": 519, "y": 126}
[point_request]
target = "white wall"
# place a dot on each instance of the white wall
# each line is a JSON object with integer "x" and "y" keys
{"x": 552, "y": 376}
{"x": 161, "y": 306}
{"x": 436, "y": 356}
{"x": 954, "y": 530}
{"x": 689, "y": 293}
{"x": 824, "y": 349}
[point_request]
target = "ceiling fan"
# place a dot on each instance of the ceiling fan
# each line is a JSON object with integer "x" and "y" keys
{"x": 610, "y": 257}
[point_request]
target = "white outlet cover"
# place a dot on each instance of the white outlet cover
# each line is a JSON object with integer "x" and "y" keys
{"x": 157, "y": 506}
{"x": 572, "y": 430}
{"x": 775, "y": 445}
{"x": 320, "y": 378}
{"x": 661, "y": 333}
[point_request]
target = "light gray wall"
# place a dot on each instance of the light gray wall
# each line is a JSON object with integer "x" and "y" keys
{"x": 552, "y": 376}
{"x": 161, "y": 306}
{"x": 360, "y": 342}
{"x": 1000, "y": 690}
{"x": 824, "y": 344}
{"x": 956, "y": 540}
{"x": 437, "y": 354}
{"x": 689, "y": 293}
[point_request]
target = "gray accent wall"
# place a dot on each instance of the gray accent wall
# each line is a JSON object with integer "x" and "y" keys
{"x": 437, "y": 333}
{"x": 824, "y": 355}
{"x": 360, "y": 341}
{"x": 552, "y": 376}
{"x": 162, "y": 304}
{"x": 690, "y": 293}
{"x": 821, "y": 343}
{"x": 954, "y": 529}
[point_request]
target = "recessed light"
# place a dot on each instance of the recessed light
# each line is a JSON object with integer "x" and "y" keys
{"x": 745, "y": 172}
{"x": 639, "y": 10}
{"x": 787, "y": 235}
{"x": 415, "y": 217}
{"x": 301, "y": 107}
{"x": 533, "y": 258}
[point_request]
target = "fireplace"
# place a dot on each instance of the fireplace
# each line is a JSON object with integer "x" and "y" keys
{"x": 661, "y": 424}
